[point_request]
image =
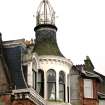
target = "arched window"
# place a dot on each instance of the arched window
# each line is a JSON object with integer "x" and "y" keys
{"x": 61, "y": 86}
{"x": 51, "y": 84}
{"x": 40, "y": 83}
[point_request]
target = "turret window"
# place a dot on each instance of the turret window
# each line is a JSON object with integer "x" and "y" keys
{"x": 51, "y": 84}
{"x": 40, "y": 83}
{"x": 61, "y": 86}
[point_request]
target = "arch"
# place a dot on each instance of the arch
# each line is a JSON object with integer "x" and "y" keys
{"x": 40, "y": 82}
{"x": 61, "y": 86}
{"x": 51, "y": 84}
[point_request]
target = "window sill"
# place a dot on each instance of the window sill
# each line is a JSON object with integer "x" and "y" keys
{"x": 89, "y": 98}
{"x": 55, "y": 101}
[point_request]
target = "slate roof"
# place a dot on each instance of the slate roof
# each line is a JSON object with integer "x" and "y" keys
{"x": 46, "y": 43}
{"x": 13, "y": 57}
{"x": 102, "y": 83}
{"x": 86, "y": 73}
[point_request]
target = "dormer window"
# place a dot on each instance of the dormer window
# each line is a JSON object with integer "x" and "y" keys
{"x": 88, "y": 88}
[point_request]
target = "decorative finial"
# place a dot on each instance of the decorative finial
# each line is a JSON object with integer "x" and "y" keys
{"x": 45, "y": 13}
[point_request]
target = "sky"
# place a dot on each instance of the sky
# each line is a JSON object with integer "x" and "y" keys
{"x": 80, "y": 23}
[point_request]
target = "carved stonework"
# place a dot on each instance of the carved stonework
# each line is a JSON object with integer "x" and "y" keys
{"x": 54, "y": 59}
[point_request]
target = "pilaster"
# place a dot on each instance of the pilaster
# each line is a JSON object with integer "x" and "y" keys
{"x": 57, "y": 85}
{"x": 66, "y": 87}
{"x": 45, "y": 85}
{"x": 30, "y": 74}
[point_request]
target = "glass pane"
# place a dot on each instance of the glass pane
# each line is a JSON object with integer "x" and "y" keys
{"x": 61, "y": 87}
{"x": 51, "y": 76}
{"x": 40, "y": 76}
{"x": 51, "y": 91}
{"x": 40, "y": 89}
{"x": 61, "y": 77}
{"x": 40, "y": 84}
{"x": 61, "y": 92}
{"x": 61, "y": 96}
{"x": 88, "y": 88}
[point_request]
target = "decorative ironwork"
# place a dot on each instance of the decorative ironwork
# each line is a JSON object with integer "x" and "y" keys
{"x": 45, "y": 13}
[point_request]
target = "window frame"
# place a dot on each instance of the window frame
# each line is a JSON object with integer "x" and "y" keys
{"x": 88, "y": 84}
{"x": 51, "y": 82}
{"x": 62, "y": 83}
{"x": 41, "y": 83}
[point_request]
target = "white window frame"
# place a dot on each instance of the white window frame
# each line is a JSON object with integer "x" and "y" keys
{"x": 101, "y": 102}
{"x": 88, "y": 88}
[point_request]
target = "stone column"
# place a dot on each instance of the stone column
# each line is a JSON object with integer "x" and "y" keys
{"x": 45, "y": 85}
{"x": 66, "y": 87}
{"x": 30, "y": 74}
{"x": 57, "y": 85}
{"x": 69, "y": 87}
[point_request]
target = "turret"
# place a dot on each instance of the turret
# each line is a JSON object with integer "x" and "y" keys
{"x": 53, "y": 67}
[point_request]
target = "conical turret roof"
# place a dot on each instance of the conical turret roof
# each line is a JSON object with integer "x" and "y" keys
{"x": 45, "y": 30}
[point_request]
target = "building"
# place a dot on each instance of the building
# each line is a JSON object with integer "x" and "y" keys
{"x": 37, "y": 73}
{"x": 87, "y": 86}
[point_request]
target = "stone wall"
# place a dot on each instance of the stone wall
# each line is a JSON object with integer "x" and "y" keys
{"x": 3, "y": 79}
{"x": 74, "y": 87}
{"x": 90, "y": 102}
{"x": 22, "y": 102}
{"x": 5, "y": 100}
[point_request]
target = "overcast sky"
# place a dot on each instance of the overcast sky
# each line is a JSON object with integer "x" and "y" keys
{"x": 81, "y": 26}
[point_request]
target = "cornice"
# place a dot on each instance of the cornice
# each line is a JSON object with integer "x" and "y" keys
{"x": 57, "y": 59}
